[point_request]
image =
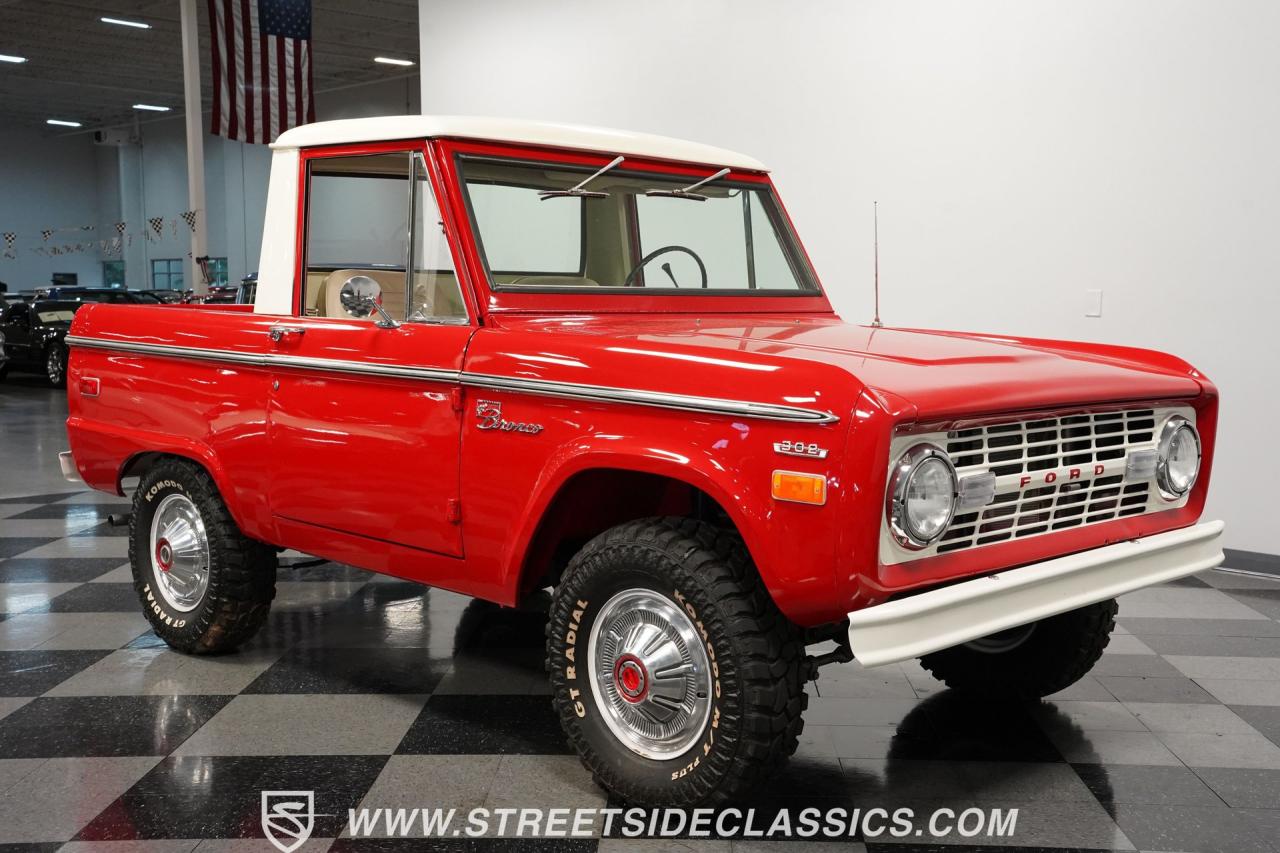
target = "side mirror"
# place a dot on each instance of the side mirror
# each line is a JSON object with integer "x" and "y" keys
{"x": 359, "y": 297}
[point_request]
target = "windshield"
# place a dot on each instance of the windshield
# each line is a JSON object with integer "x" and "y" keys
{"x": 555, "y": 227}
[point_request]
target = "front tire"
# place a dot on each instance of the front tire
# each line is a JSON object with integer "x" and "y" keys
{"x": 1032, "y": 661}
{"x": 675, "y": 677}
{"x": 205, "y": 587}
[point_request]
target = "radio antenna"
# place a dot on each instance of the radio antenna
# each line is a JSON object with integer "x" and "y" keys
{"x": 875, "y": 219}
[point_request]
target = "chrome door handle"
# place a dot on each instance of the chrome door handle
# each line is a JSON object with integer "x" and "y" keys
{"x": 279, "y": 333}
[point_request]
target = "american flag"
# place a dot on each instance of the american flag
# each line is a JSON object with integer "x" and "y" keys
{"x": 261, "y": 67}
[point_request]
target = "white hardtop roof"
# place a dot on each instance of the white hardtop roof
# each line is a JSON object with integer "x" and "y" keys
{"x": 519, "y": 131}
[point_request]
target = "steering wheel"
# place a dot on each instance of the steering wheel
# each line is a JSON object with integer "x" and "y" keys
{"x": 702, "y": 268}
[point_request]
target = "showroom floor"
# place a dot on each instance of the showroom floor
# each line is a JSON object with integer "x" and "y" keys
{"x": 374, "y": 691}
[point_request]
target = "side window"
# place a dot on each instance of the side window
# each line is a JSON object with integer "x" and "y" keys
{"x": 359, "y": 225}
{"x": 436, "y": 294}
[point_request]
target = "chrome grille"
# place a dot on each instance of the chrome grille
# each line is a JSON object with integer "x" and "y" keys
{"x": 1052, "y": 473}
{"x": 1013, "y": 515}
{"x": 1048, "y": 443}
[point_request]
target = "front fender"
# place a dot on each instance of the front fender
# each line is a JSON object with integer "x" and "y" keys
{"x": 793, "y": 545}
{"x": 597, "y": 454}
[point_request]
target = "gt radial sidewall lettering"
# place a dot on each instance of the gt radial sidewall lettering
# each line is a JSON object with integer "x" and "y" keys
{"x": 688, "y": 777}
{"x": 168, "y": 621}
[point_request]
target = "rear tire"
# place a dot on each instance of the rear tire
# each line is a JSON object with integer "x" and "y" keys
{"x": 205, "y": 587}
{"x": 639, "y": 613}
{"x": 1052, "y": 655}
{"x": 55, "y": 365}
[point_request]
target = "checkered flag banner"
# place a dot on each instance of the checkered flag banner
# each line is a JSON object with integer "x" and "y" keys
{"x": 157, "y": 227}
{"x": 10, "y": 239}
{"x": 189, "y": 217}
{"x": 121, "y": 227}
{"x": 46, "y": 233}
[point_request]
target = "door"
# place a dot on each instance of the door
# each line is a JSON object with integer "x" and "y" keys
{"x": 16, "y": 327}
{"x": 365, "y": 415}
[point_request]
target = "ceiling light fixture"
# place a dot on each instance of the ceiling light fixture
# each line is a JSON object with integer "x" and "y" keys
{"x": 62, "y": 122}
{"x": 386, "y": 60}
{"x": 4, "y": 57}
{"x": 139, "y": 25}
{"x": 152, "y": 108}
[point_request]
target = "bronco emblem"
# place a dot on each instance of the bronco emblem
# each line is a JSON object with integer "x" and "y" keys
{"x": 489, "y": 415}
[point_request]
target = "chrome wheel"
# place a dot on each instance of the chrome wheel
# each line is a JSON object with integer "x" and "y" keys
{"x": 179, "y": 553}
{"x": 1002, "y": 641}
{"x": 53, "y": 365}
{"x": 650, "y": 674}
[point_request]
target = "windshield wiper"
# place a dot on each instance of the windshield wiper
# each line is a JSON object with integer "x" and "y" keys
{"x": 578, "y": 191}
{"x": 688, "y": 192}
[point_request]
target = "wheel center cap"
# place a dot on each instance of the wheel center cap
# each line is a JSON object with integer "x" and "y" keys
{"x": 631, "y": 679}
{"x": 164, "y": 555}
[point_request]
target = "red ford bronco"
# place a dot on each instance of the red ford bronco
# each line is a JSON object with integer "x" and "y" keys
{"x": 499, "y": 356}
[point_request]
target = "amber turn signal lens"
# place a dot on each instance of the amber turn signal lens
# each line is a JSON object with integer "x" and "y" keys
{"x": 800, "y": 488}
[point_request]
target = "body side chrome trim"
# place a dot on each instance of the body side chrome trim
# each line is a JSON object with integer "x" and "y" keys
{"x": 657, "y": 399}
{"x": 548, "y": 388}
{"x": 269, "y": 359}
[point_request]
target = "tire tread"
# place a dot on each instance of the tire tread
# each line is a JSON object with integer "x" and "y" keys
{"x": 768, "y": 649}
{"x": 243, "y": 571}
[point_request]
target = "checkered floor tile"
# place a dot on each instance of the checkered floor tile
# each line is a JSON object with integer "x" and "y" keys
{"x": 373, "y": 691}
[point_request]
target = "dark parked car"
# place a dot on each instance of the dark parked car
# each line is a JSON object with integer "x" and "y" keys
{"x": 228, "y": 294}
{"x": 114, "y": 295}
{"x": 31, "y": 336}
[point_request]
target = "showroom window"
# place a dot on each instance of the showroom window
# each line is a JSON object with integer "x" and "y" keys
{"x": 166, "y": 274}
{"x": 113, "y": 273}
{"x": 217, "y": 271}
{"x": 358, "y": 228}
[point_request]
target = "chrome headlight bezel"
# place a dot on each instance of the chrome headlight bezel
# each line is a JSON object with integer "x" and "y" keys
{"x": 1164, "y": 480}
{"x": 904, "y": 470}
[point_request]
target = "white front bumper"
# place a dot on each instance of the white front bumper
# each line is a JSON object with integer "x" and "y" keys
{"x": 941, "y": 618}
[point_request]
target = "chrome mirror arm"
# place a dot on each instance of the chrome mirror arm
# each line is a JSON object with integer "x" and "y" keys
{"x": 386, "y": 321}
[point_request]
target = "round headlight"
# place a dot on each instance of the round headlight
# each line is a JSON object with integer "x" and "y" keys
{"x": 1178, "y": 464}
{"x": 922, "y": 496}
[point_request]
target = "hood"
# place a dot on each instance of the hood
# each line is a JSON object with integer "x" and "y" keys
{"x": 938, "y": 373}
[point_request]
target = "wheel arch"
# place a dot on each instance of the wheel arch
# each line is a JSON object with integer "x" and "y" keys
{"x": 591, "y": 494}
{"x": 137, "y": 464}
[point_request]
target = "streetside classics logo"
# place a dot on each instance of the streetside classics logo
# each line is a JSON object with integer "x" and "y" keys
{"x": 288, "y": 818}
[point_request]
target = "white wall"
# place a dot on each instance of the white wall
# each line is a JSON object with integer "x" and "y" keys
{"x": 1022, "y": 153}
{"x": 49, "y": 183}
